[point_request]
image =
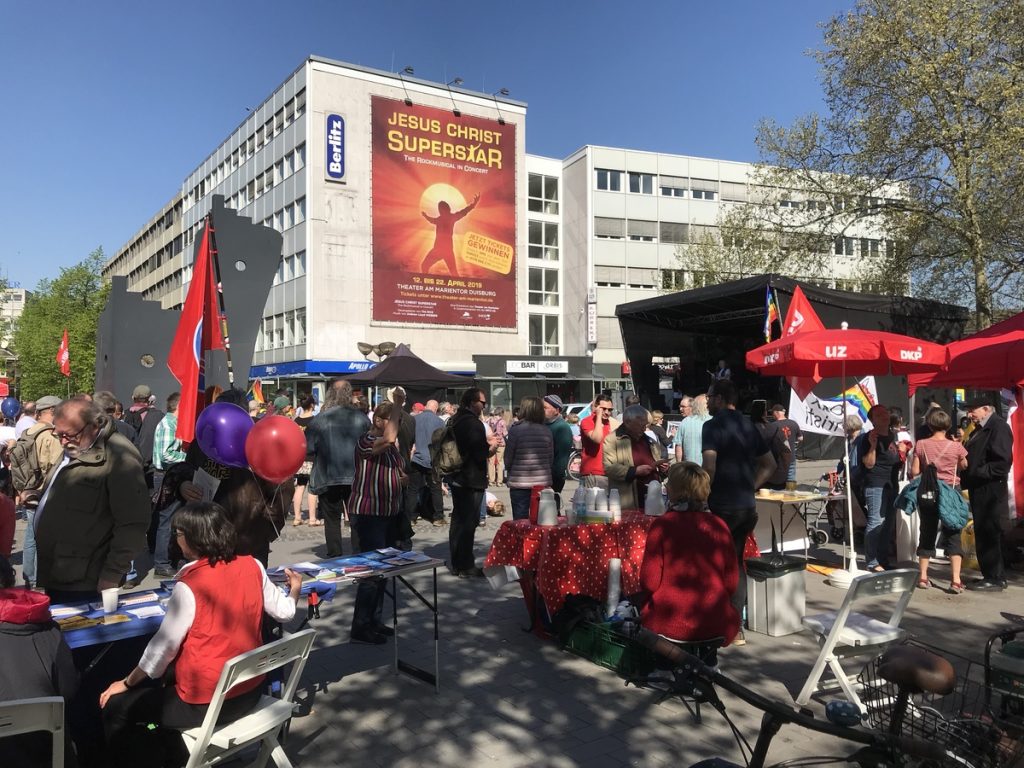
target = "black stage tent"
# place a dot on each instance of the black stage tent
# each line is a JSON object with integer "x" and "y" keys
{"x": 705, "y": 325}
{"x": 405, "y": 368}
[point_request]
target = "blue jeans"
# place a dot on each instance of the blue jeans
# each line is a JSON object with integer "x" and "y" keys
{"x": 28, "y": 549}
{"x": 878, "y": 535}
{"x": 520, "y": 498}
{"x": 161, "y": 557}
{"x": 791, "y": 471}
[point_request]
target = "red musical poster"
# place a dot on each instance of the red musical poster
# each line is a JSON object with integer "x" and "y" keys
{"x": 444, "y": 217}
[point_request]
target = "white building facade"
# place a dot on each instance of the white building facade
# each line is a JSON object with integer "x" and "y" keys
{"x": 372, "y": 178}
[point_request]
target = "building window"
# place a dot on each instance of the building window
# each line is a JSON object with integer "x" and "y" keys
{"x": 543, "y": 287}
{"x": 703, "y": 189}
{"x": 733, "y": 192}
{"x": 844, "y": 246}
{"x": 641, "y": 183}
{"x": 609, "y": 181}
{"x": 300, "y": 210}
{"x": 673, "y": 186}
{"x": 544, "y": 335}
{"x": 300, "y": 157}
{"x": 543, "y": 193}
{"x": 644, "y": 231}
{"x": 300, "y": 263}
{"x": 673, "y": 279}
{"x": 609, "y": 229}
{"x": 543, "y": 240}
{"x": 300, "y": 326}
{"x": 673, "y": 232}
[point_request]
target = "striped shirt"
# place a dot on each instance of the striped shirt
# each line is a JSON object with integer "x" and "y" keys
{"x": 376, "y": 486}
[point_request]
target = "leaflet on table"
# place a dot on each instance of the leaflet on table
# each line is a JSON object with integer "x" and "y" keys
{"x": 147, "y": 611}
{"x": 129, "y": 600}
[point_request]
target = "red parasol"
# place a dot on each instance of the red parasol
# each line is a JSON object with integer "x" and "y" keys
{"x": 832, "y": 353}
{"x": 990, "y": 359}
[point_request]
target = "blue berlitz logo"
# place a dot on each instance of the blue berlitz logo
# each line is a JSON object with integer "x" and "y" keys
{"x": 335, "y": 147}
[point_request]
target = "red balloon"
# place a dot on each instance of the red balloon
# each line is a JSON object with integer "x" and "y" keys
{"x": 275, "y": 448}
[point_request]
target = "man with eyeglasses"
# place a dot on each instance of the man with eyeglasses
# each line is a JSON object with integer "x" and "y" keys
{"x": 470, "y": 483}
{"x": 93, "y": 517}
{"x": 593, "y": 430}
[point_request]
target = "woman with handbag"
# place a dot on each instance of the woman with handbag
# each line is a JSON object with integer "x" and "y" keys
{"x": 948, "y": 457}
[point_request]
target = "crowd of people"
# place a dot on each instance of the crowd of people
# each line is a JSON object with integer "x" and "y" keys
{"x": 99, "y": 485}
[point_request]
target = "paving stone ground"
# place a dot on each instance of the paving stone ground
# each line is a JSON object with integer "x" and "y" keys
{"x": 509, "y": 699}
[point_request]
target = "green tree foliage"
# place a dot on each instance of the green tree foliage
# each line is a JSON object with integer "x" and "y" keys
{"x": 923, "y": 129}
{"x": 72, "y": 301}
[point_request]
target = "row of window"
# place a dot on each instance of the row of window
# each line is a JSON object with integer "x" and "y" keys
{"x": 287, "y": 329}
{"x": 290, "y": 267}
{"x": 144, "y": 241}
{"x": 290, "y": 164}
{"x": 154, "y": 262}
{"x": 685, "y": 279}
{"x": 609, "y": 180}
{"x": 292, "y": 110}
{"x": 157, "y": 291}
{"x": 291, "y": 215}
{"x": 606, "y": 228}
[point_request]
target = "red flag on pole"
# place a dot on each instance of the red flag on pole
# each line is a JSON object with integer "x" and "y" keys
{"x": 64, "y": 356}
{"x": 198, "y": 332}
{"x": 801, "y": 317}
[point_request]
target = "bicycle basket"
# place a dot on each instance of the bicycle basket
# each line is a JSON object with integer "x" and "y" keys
{"x": 962, "y": 722}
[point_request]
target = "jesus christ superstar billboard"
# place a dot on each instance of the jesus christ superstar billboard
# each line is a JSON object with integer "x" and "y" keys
{"x": 444, "y": 217}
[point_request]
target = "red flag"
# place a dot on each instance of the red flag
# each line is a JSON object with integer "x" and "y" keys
{"x": 198, "y": 332}
{"x": 64, "y": 356}
{"x": 801, "y": 317}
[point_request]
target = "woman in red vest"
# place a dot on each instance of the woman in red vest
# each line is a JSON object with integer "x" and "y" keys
{"x": 689, "y": 572}
{"x": 214, "y": 614}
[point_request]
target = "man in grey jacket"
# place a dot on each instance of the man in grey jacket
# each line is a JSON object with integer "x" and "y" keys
{"x": 331, "y": 445}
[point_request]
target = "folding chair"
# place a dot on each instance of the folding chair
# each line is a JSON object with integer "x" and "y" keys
{"x": 210, "y": 744}
{"x": 847, "y": 633}
{"x": 31, "y": 715}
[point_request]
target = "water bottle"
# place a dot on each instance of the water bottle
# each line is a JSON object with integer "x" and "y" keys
{"x": 579, "y": 505}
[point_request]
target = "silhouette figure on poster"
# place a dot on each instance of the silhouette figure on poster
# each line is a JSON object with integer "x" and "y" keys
{"x": 443, "y": 249}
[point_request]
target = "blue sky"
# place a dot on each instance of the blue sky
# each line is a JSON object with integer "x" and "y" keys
{"x": 108, "y": 105}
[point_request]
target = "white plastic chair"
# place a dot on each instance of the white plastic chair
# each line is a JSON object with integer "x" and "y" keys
{"x": 31, "y": 715}
{"x": 209, "y": 744}
{"x": 847, "y": 633}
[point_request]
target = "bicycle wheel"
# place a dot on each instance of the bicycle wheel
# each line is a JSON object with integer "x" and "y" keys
{"x": 572, "y": 470}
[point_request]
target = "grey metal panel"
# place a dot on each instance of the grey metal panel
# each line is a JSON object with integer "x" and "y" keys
{"x": 131, "y": 327}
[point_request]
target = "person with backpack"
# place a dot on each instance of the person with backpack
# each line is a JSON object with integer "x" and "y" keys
{"x": 33, "y": 459}
{"x": 144, "y": 417}
{"x": 938, "y": 460}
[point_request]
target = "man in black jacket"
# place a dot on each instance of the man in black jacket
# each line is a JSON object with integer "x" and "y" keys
{"x": 469, "y": 484}
{"x": 989, "y": 455}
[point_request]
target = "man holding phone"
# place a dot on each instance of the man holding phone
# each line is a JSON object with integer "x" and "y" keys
{"x": 593, "y": 430}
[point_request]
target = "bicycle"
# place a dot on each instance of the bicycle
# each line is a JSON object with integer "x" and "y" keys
{"x": 912, "y": 671}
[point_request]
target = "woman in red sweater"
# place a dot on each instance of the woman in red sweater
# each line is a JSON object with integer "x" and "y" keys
{"x": 214, "y": 614}
{"x": 689, "y": 571}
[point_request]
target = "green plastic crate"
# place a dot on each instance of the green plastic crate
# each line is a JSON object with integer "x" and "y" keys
{"x": 604, "y": 646}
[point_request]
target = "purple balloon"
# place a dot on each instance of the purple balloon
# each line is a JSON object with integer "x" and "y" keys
{"x": 221, "y": 431}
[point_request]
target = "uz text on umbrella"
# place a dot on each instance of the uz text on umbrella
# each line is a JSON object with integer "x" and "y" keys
{"x": 835, "y": 350}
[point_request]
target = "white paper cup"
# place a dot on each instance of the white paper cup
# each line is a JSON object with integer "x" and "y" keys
{"x": 110, "y": 599}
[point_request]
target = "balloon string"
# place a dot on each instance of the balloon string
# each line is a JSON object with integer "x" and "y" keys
{"x": 268, "y": 508}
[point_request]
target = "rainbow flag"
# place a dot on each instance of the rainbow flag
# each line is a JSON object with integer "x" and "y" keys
{"x": 771, "y": 313}
{"x": 256, "y": 392}
{"x": 859, "y": 398}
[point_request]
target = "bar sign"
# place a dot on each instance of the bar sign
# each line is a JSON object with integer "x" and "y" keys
{"x": 335, "y": 166}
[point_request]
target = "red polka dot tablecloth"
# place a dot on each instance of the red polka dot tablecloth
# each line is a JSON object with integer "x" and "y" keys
{"x": 573, "y": 559}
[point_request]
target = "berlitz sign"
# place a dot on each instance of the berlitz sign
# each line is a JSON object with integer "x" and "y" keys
{"x": 536, "y": 366}
{"x": 334, "y": 162}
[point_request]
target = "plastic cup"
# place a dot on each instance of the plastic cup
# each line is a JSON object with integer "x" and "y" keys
{"x": 109, "y": 599}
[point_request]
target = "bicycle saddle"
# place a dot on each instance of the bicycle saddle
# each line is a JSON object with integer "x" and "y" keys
{"x": 916, "y": 670}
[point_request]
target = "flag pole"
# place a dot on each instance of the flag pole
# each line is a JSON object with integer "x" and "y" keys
{"x": 222, "y": 311}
